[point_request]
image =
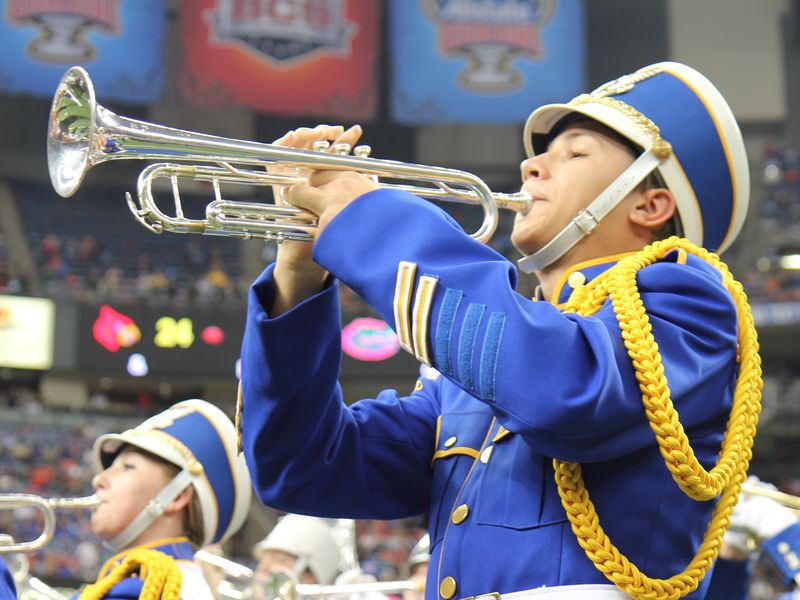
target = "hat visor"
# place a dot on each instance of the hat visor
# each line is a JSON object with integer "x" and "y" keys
{"x": 108, "y": 446}
{"x": 539, "y": 126}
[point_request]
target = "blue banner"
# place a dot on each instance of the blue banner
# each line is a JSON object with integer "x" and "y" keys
{"x": 484, "y": 61}
{"x": 120, "y": 43}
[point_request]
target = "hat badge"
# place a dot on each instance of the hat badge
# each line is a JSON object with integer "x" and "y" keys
{"x": 625, "y": 83}
{"x": 165, "y": 419}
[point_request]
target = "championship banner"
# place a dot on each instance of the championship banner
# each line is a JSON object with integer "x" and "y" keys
{"x": 120, "y": 43}
{"x": 484, "y": 61}
{"x": 287, "y": 57}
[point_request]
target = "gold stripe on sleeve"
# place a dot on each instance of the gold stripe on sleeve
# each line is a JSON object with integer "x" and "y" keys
{"x": 402, "y": 302}
{"x": 422, "y": 312}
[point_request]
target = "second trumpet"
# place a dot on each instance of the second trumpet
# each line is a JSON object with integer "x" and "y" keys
{"x": 47, "y": 506}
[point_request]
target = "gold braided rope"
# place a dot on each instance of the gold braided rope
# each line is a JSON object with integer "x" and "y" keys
{"x": 724, "y": 479}
{"x": 162, "y": 581}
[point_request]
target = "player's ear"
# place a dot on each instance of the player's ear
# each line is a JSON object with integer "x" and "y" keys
{"x": 181, "y": 501}
{"x": 653, "y": 208}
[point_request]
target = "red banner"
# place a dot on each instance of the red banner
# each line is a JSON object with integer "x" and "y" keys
{"x": 287, "y": 57}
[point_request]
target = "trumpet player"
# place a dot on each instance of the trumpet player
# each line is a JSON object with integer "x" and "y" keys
{"x": 562, "y": 446}
{"x": 166, "y": 487}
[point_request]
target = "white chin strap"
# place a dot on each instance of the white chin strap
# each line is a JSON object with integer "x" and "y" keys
{"x": 586, "y": 220}
{"x": 154, "y": 509}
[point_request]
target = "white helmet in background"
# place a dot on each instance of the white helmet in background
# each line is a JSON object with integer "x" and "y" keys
{"x": 420, "y": 553}
{"x": 311, "y": 539}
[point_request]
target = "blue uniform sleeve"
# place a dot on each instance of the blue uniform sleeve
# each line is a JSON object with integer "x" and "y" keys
{"x": 302, "y": 441}
{"x": 7, "y": 587}
{"x": 562, "y": 381}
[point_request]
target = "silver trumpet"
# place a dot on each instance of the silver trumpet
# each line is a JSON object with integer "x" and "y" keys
{"x": 283, "y": 585}
{"x": 241, "y": 583}
{"x": 788, "y": 500}
{"x": 83, "y": 133}
{"x": 47, "y": 506}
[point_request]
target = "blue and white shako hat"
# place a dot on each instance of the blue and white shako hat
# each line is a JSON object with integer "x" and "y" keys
{"x": 687, "y": 133}
{"x": 200, "y": 439}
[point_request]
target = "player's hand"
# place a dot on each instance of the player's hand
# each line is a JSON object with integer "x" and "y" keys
{"x": 296, "y": 276}
{"x": 328, "y": 193}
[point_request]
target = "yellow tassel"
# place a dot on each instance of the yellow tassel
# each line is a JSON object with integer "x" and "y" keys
{"x": 163, "y": 578}
{"x": 724, "y": 479}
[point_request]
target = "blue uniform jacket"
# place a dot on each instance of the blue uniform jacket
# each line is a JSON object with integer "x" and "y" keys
{"x": 731, "y": 580}
{"x": 522, "y": 382}
{"x": 7, "y": 587}
{"x": 130, "y": 588}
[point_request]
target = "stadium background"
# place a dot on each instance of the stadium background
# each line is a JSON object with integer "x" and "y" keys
{"x": 88, "y": 251}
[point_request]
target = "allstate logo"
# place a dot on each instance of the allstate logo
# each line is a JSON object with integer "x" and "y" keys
{"x": 369, "y": 339}
{"x": 490, "y": 34}
{"x": 63, "y": 26}
{"x": 283, "y": 30}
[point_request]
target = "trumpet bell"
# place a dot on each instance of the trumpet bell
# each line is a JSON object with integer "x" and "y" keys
{"x": 70, "y": 131}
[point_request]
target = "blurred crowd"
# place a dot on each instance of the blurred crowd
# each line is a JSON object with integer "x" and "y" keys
{"x": 53, "y": 463}
{"x": 83, "y": 269}
{"x": 775, "y": 277}
{"x": 9, "y": 284}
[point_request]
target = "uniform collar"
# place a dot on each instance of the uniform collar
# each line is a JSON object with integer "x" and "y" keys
{"x": 179, "y": 548}
{"x": 578, "y": 275}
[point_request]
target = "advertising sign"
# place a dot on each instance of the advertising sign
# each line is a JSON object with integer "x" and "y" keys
{"x": 26, "y": 332}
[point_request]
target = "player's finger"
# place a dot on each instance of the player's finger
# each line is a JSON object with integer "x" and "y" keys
{"x": 306, "y": 197}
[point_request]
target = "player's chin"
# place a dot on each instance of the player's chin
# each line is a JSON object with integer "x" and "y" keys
{"x": 523, "y": 237}
{"x": 98, "y": 520}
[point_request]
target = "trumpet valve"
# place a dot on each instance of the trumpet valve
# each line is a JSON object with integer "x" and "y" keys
{"x": 362, "y": 151}
{"x": 341, "y": 149}
{"x": 320, "y": 146}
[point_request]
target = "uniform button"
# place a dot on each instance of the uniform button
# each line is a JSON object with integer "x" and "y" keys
{"x": 487, "y": 452}
{"x": 447, "y": 589}
{"x": 451, "y": 441}
{"x": 576, "y": 279}
{"x": 460, "y": 513}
